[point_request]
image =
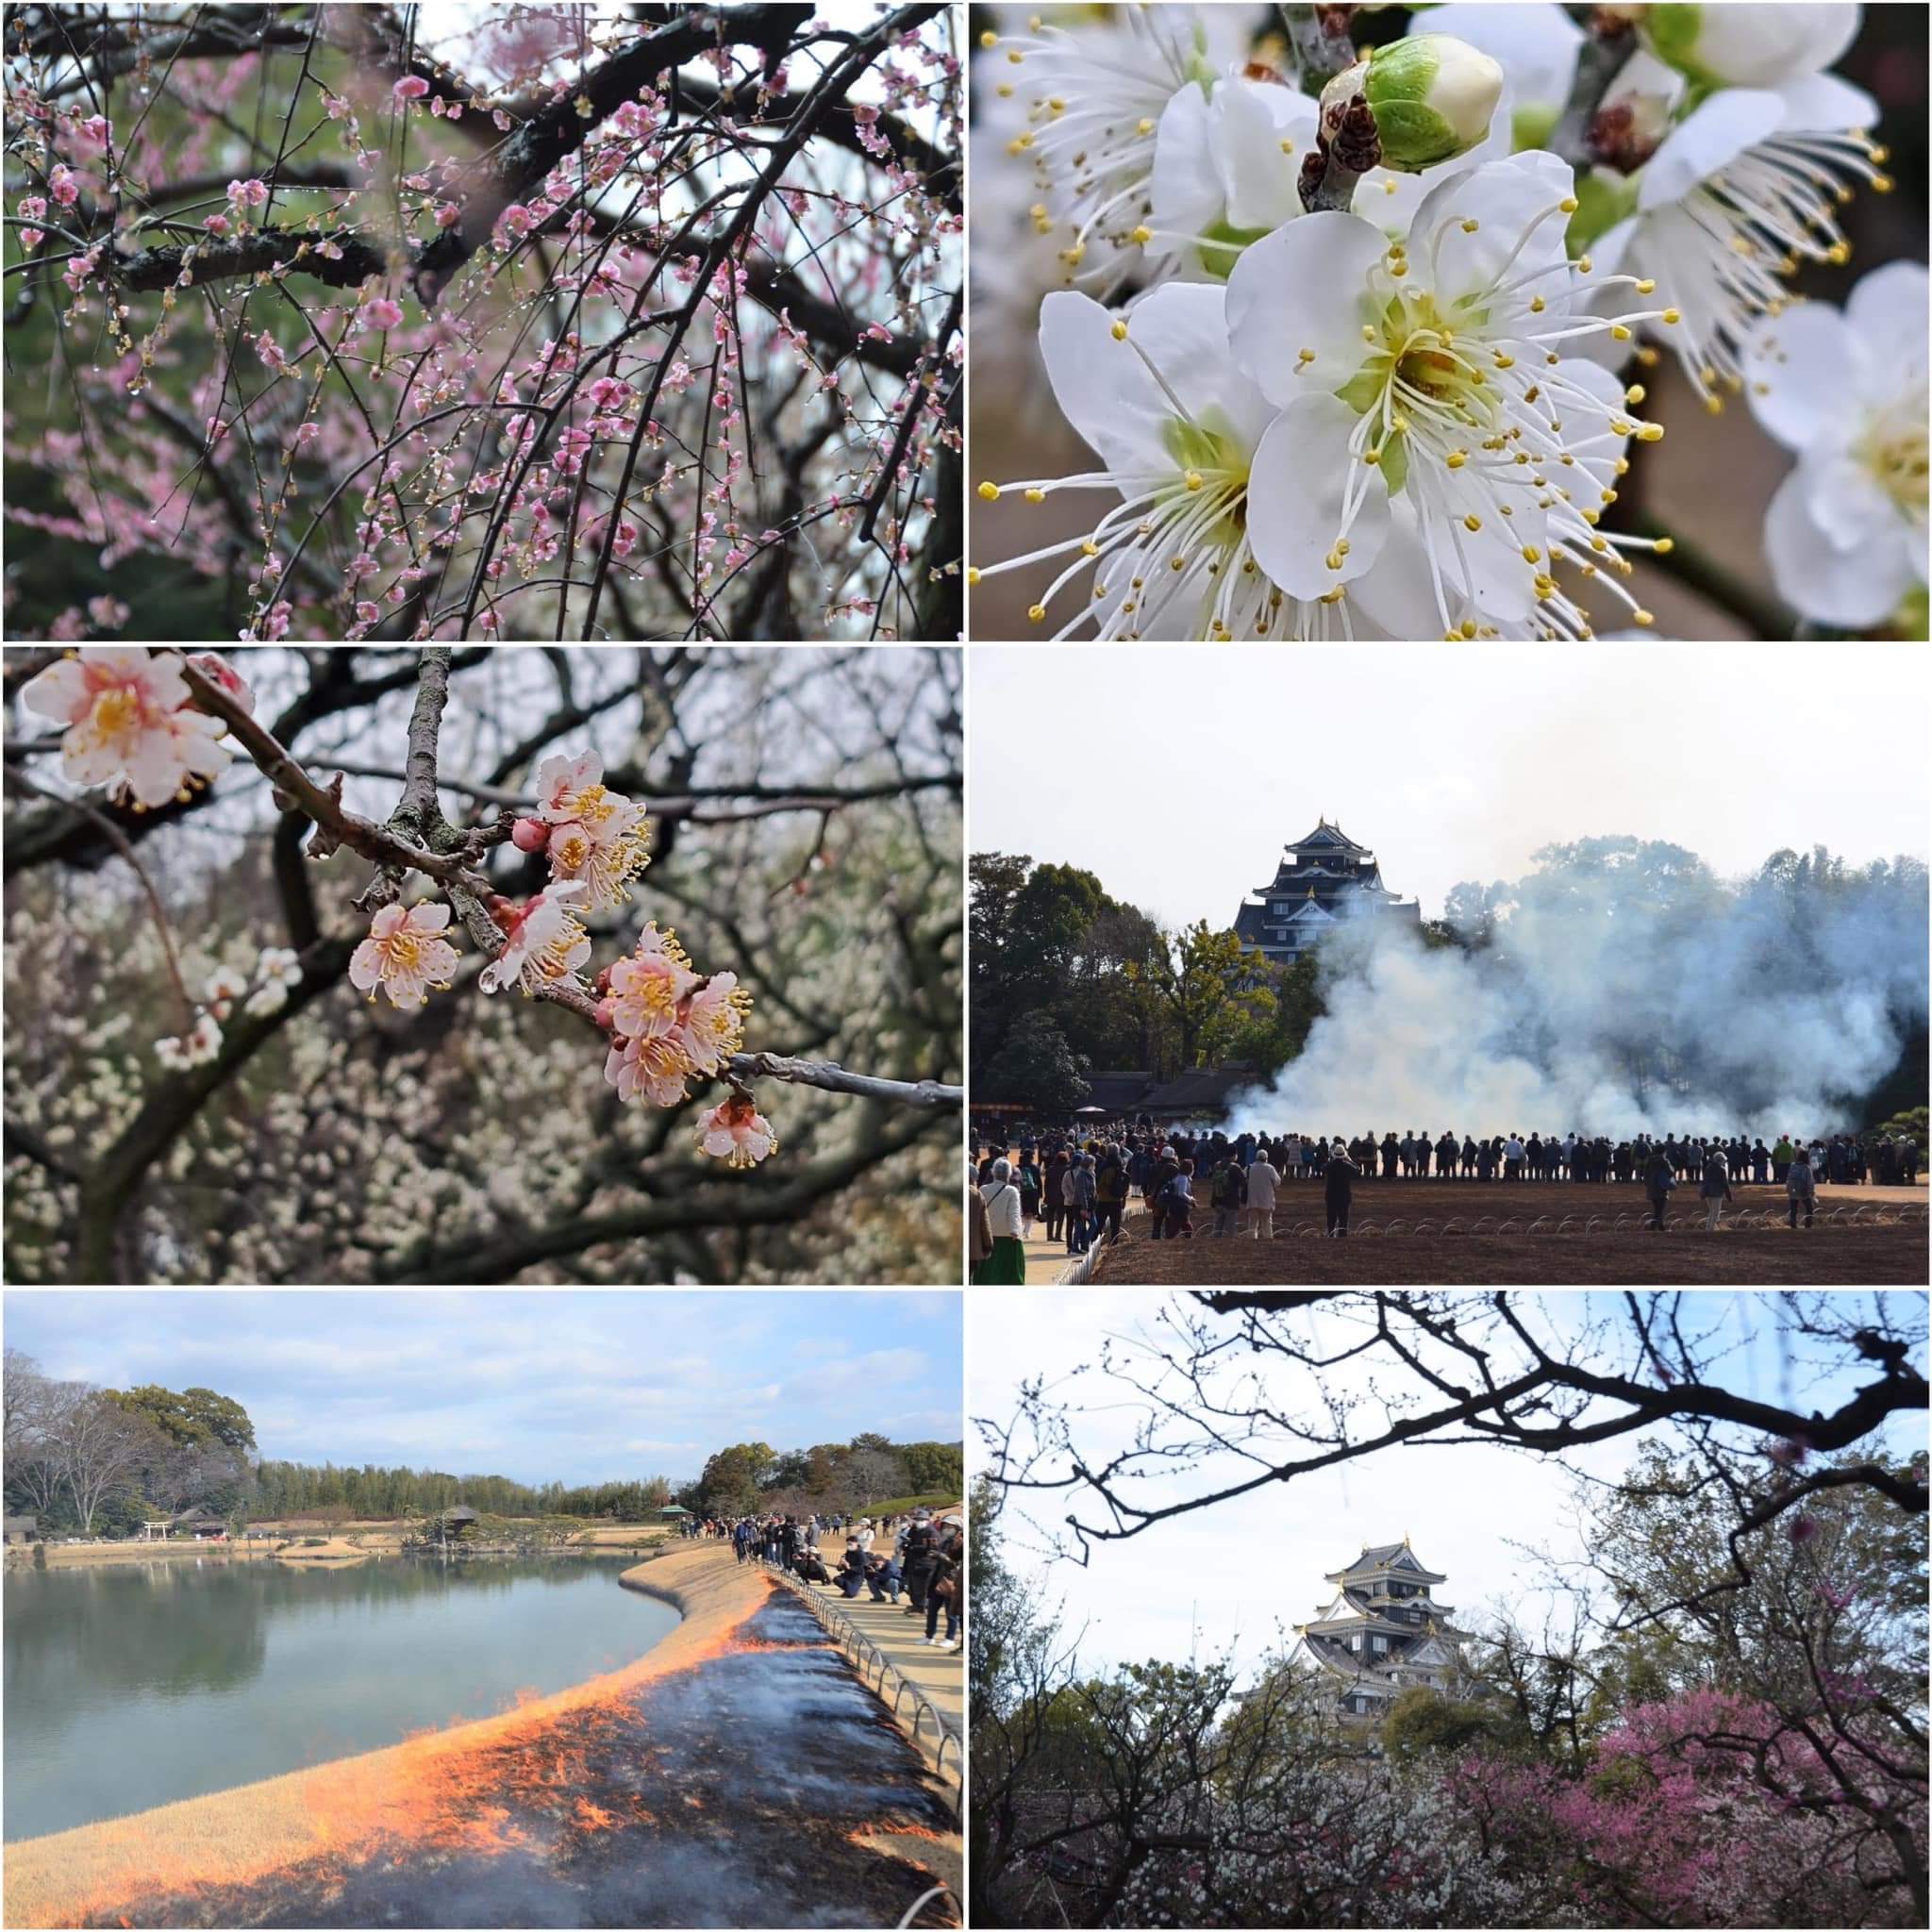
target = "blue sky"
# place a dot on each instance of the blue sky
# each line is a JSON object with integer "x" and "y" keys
{"x": 576, "y": 1387}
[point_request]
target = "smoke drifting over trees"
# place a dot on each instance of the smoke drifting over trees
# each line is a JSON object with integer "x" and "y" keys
{"x": 1623, "y": 986}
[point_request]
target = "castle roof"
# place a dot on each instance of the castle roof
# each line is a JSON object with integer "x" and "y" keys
{"x": 1379, "y": 1559}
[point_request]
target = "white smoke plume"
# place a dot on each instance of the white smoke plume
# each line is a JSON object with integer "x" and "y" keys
{"x": 1626, "y": 990}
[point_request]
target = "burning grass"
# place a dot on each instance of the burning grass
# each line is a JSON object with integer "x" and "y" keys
{"x": 736, "y": 1774}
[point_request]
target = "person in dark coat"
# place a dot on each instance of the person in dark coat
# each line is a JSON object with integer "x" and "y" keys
{"x": 1660, "y": 1177}
{"x": 1339, "y": 1191}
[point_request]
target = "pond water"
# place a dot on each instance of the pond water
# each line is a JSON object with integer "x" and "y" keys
{"x": 136, "y": 1684}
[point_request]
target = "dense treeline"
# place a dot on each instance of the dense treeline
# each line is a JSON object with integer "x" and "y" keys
{"x": 868, "y": 1470}
{"x": 1065, "y": 978}
{"x": 297, "y": 1488}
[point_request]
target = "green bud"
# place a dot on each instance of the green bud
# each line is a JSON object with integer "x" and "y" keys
{"x": 1432, "y": 96}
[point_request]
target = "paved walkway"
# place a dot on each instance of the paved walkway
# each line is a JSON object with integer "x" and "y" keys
{"x": 940, "y": 1673}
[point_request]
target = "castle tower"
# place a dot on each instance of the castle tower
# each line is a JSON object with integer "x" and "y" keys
{"x": 1323, "y": 880}
{"x": 1383, "y": 1632}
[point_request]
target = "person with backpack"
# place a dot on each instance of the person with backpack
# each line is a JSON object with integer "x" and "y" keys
{"x": 1163, "y": 1170}
{"x": 917, "y": 1557}
{"x": 1177, "y": 1203}
{"x": 1027, "y": 1179}
{"x": 1230, "y": 1195}
{"x": 1109, "y": 1193}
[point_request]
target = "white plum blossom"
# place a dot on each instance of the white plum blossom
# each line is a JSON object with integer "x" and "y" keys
{"x": 1175, "y": 424}
{"x": 1088, "y": 99}
{"x": 1720, "y": 209}
{"x": 127, "y": 728}
{"x": 1226, "y": 171}
{"x": 1430, "y": 373}
{"x": 1845, "y": 534}
{"x": 279, "y": 972}
{"x": 225, "y": 987}
{"x": 543, "y": 942}
{"x": 405, "y": 955}
{"x": 200, "y": 1045}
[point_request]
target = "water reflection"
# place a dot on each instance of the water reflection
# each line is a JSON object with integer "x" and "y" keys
{"x": 132, "y": 1684}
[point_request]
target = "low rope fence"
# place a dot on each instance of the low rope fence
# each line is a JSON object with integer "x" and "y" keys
{"x": 1581, "y": 1226}
{"x": 875, "y": 1668}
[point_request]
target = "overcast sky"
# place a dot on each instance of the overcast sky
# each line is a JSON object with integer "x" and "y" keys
{"x": 1232, "y": 1572}
{"x": 576, "y": 1387}
{"x": 1176, "y": 774}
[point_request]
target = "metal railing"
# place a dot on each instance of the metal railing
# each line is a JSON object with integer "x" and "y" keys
{"x": 870, "y": 1659}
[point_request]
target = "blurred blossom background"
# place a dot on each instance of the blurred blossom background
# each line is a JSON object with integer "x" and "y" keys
{"x": 1709, "y": 485}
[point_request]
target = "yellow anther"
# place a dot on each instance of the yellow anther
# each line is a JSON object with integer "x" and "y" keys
{"x": 1120, "y": 331}
{"x": 1713, "y": 406}
{"x": 1634, "y": 394}
{"x": 1288, "y": 147}
{"x": 1142, "y": 235}
{"x": 1838, "y": 254}
{"x": 1568, "y": 204}
{"x": 1646, "y": 287}
{"x": 1398, "y": 267}
{"x": 1035, "y": 496}
{"x": 1469, "y": 227}
{"x": 1650, "y": 433}
{"x": 1599, "y": 543}
{"x": 1642, "y": 619}
{"x": 1472, "y": 522}
{"x": 1504, "y": 362}
{"x": 1664, "y": 545}
{"x": 1618, "y": 333}
{"x": 1456, "y": 457}
{"x": 1192, "y": 479}
{"x": 1058, "y": 105}
{"x": 1882, "y": 184}
{"x": 1583, "y": 264}
{"x": 1144, "y": 125}
{"x": 1536, "y": 304}
{"x": 1037, "y": 612}
{"x": 1014, "y": 55}
{"x": 1341, "y": 546}
{"x": 989, "y": 39}
{"x": 1469, "y": 628}
{"x": 1090, "y": 548}
{"x": 1672, "y": 315}
{"x": 1648, "y": 356}
{"x": 1333, "y": 559}
{"x": 971, "y": 576}
{"x": 1305, "y": 356}
{"x": 1371, "y": 457}
{"x": 990, "y": 492}
{"x": 1336, "y": 595}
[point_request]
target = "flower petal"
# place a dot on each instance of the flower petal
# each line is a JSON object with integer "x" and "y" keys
{"x": 1102, "y": 388}
{"x": 1853, "y": 589}
{"x": 1888, "y": 311}
{"x": 1257, "y": 132}
{"x": 1184, "y": 191}
{"x": 1821, "y": 103}
{"x": 1797, "y": 369}
{"x": 1297, "y": 488}
{"x": 1303, "y": 287}
{"x": 1708, "y": 138}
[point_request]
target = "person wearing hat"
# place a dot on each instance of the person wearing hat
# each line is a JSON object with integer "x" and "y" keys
{"x": 919, "y": 1545}
{"x": 1715, "y": 1187}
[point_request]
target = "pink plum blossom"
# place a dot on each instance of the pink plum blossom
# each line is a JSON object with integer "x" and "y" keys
{"x": 413, "y": 87}
{"x": 736, "y": 1133}
{"x": 647, "y": 988}
{"x": 63, "y": 184}
{"x": 657, "y": 1069}
{"x": 405, "y": 955}
{"x": 122, "y": 704}
{"x": 543, "y": 942}
{"x": 250, "y": 194}
{"x": 711, "y": 1022}
{"x": 382, "y": 313}
{"x": 224, "y": 677}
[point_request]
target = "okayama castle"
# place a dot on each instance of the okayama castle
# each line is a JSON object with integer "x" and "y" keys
{"x": 1322, "y": 881}
{"x": 1382, "y": 1634}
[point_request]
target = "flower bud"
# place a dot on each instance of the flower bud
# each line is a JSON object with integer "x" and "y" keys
{"x": 1432, "y": 96}
{"x": 529, "y": 835}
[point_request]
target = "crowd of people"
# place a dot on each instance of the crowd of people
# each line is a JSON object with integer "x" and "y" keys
{"x": 913, "y": 1555}
{"x": 1078, "y": 1187}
